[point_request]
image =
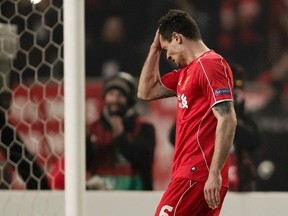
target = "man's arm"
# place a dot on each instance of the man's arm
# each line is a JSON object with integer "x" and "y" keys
{"x": 225, "y": 130}
{"x": 150, "y": 87}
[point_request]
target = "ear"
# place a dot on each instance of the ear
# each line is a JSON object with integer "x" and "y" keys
{"x": 177, "y": 37}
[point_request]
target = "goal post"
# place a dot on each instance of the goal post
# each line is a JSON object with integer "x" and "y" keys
{"x": 74, "y": 102}
{"x": 42, "y": 88}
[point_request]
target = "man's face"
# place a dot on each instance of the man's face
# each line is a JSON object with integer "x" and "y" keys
{"x": 116, "y": 102}
{"x": 174, "y": 50}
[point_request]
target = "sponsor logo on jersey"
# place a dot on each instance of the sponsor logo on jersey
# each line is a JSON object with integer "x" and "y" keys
{"x": 222, "y": 91}
{"x": 182, "y": 101}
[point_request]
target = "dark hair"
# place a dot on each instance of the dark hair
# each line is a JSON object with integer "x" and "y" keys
{"x": 180, "y": 22}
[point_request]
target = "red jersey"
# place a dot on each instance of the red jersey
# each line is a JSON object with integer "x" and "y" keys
{"x": 200, "y": 85}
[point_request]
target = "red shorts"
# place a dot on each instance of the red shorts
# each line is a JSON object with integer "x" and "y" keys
{"x": 185, "y": 197}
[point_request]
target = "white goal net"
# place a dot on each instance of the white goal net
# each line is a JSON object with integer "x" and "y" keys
{"x": 32, "y": 109}
{"x": 31, "y": 85}
{"x": 31, "y": 105}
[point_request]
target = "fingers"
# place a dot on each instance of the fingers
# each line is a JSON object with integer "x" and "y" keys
{"x": 212, "y": 198}
{"x": 156, "y": 42}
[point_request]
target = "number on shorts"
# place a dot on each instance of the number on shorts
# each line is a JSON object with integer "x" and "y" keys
{"x": 164, "y": 208}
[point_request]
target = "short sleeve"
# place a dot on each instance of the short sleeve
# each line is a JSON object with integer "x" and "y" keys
{"x": 216, "y": 81}
{"x": 170, "y": 80}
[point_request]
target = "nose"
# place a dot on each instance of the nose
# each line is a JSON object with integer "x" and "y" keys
{"x": 169, "y": 58}
{"x": 114, "y": 95}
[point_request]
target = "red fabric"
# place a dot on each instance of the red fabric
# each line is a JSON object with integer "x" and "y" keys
{"x": 184, "y": 197}
{"x": 205, "y": 82}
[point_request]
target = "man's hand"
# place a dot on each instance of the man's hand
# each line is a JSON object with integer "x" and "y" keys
{"x": 156, "y": 43}
{"x": 212, "y": 190}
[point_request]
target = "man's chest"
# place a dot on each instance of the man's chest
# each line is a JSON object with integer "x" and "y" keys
{"x": 189, "y": 93}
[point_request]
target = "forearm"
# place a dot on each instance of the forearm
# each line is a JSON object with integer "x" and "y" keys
{"x": 224, "y": 135}
{"x": 224, "y": 138}
{"x": 149, "y": 78}
{"x": 225, "y": 130}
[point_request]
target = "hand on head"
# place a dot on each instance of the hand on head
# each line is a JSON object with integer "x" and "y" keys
{"x": 156, "y": 43}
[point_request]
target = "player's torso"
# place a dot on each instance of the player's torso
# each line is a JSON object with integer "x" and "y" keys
{"x": 196, "y": 124}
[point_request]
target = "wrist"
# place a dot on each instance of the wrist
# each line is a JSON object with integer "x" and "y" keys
{"x": 155, "y": 48}
{"x": 214, "y": 171}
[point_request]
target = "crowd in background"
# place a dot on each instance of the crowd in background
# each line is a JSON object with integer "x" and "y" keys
{"x": 118, "y": 33}
{"x": 251, "y": 33}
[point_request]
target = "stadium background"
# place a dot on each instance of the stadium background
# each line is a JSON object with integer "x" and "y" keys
{"x": 32, "y": 70}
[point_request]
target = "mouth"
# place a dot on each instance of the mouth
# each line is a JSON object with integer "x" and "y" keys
{"x": 116, "y": 109}
{"x": 115, "y": 106}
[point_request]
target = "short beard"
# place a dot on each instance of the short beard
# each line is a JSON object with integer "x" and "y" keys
{"x": 116, "y": 109}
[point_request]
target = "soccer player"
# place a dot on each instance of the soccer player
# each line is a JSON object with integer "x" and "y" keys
{"x": 206, "y": 119}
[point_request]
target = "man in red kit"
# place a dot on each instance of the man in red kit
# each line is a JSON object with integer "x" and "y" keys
{"x": 206, "y": 119}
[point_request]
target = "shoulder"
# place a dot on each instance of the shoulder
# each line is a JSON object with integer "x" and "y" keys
{"x": 214, "y": 65}
{"x": 211, "y": 60}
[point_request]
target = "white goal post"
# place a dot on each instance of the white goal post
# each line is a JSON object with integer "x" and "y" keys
{"x": 74, "y": 102}
{"x": 31, "y": 139}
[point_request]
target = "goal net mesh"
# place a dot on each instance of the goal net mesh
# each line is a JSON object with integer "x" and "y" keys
{"x": 32, "y": 105}
{"x": 31, "y": 92}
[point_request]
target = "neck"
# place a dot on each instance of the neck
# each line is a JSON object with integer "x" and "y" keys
{"x": 195, "y": 49}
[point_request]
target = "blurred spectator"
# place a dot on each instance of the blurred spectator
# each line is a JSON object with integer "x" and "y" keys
{"x": 112, "y": 52}
{"x": 242, "y": 33}
{"x": 206, "y": 17}
{"x": 113, "y": 48}
{"x": 128, "y": 22}
{"x": 120, "y": 145}
{"x": 272, "y": 121}
{"x": 242, "y": 172}
{"x": 277, "y": 28}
